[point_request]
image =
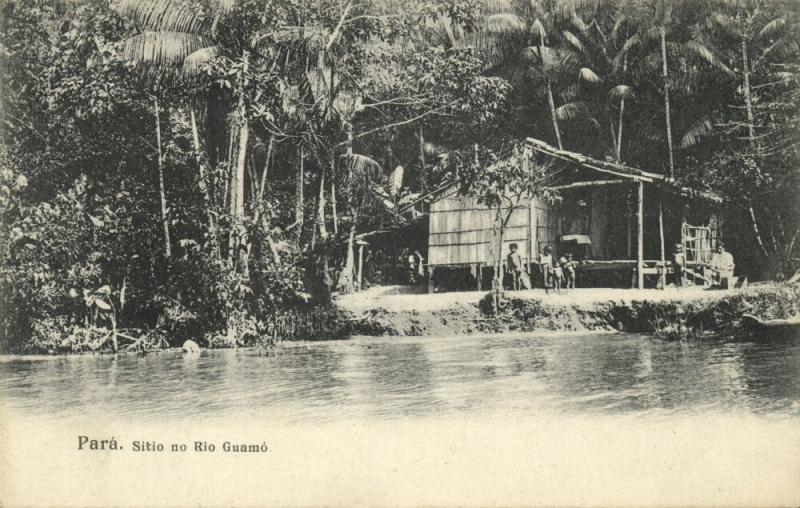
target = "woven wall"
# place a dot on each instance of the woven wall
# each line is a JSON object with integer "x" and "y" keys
{"x": 462, "y": 232}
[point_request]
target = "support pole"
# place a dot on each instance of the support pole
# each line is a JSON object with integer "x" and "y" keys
{"x": 661, "y": 237}
{"x": 360, "y": 263}
{"x": 640, "y": 237}
{"x": 430, "y": 279}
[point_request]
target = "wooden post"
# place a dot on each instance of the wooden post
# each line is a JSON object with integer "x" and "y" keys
{"x": 430, "y": 279}
{"x": 640, "y": 237}
{"x": 478, "y": 275}
{"x": 661, "y": 237}
{"x": 360, "y": 263}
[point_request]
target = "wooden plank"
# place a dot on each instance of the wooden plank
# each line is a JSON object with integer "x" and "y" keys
{"x": 592, "y": 183}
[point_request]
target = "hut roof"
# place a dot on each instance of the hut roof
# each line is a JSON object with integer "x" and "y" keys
{"x": 620, "y": 170}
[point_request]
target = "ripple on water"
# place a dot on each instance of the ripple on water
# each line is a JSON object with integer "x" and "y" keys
{"x": 395, "y": 378}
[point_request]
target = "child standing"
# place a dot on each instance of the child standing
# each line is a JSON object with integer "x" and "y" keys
{"x": 558, "y": 273}
{"x": 569, "y": 272}
{"x": 514, "y": 264}
{"x": 546, "y": 267}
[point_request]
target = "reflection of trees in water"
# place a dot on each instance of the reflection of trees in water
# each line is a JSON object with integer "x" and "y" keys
{"x": 597, "y": 371}
{"x": 303, "y": 375}
{"x": 771, "y": 369}
{"x": 398, "y": 378}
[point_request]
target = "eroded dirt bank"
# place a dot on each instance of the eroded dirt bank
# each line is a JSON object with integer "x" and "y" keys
{"x": 393, "y": 311}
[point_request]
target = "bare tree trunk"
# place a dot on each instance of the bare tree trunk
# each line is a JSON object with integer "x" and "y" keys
{"x": 161, "y": 189}
{"x": 238, "y": 232}
{"x": 552, "y": 104}
{"x": 323, "y": 230}
{"x": 347, "y": 277}
{"x": 422, "y": 155}
{"x": 665, "y": 75}
{"x": 748, "y": 100}
{"x": 298, "y": 193}
{"x": 203, "y": 183}
{"x": 663, "y": 270}
{"x": 756, "y": 230}
{"x": 263, "y": 185}
{"x": 241, "y": 159}
{"x": 333, "y": 206}
{"x": 621, "y": 112}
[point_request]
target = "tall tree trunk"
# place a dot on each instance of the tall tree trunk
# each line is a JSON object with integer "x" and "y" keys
{"x": 347, "y": 277}
{"x": 748, "y": 100}
{"x": 238, "y": 233}
{"x": 298, "y": 195}
{"x": 423, "y": 181}
{"x": 333, "y": 207}
{"x": 203, "y": 184}
{"x": 665, "y": 76}
{"x": 621, "y": 111}
{"x": 323, "y": 230}
{"x": 263, "y": 185}
{"x": 161, "y": 189}
{"x": 552, "y": 104}
{"x": 756, "y": 230}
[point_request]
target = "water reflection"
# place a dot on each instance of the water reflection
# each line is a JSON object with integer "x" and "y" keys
{"x": 402, "y": 377}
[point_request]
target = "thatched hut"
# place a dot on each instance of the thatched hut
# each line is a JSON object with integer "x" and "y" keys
{"x": 612, "y": 217}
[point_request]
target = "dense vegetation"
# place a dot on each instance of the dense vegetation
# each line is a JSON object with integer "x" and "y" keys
{"x": 201, "y": 168}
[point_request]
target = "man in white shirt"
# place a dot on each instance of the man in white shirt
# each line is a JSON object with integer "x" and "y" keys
{"x": 722, "y": 266}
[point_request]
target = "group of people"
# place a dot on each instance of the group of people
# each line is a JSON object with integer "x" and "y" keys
{"x": 555, "y": 273}
{"x": 718, "y": 271}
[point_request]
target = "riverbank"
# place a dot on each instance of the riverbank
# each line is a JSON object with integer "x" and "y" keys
{"x": 674, "y": 312}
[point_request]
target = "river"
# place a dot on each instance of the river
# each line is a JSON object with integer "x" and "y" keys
{"x": 390, "y": 378}
{"x": 559, "y": 419}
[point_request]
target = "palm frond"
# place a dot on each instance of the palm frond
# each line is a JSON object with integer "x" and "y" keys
{"x": 704, "y": 126}
{"x": 396, "y": 180}
{"x": 615, "y": 30}
{"x": 498, "y": 6}
{"x": 197, "y": 60}
{"x": 587, "y": 74}
{"x": 633, "y": 41}
{"x": 538, "y": 30}
{"x": 727, "y": 23}
{"x": 362, "y": 166}
{"x": 773, "y": 27}
{"x": 505, "y": 23}
{"x": 166, "y": 15}
{"x": 311, "y": 37}
{"x": 163, "y": 49}
{"x": 701, "y": 51}
{"x": 620, "y": 92}
{"x": 573, "y": 111}
{"x": 578, "y": 22}
{"x": 573, "y": 40}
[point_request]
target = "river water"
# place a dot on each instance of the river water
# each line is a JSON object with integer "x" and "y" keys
{"x": 392, "y": 378}
{"x": 519, "y": 420}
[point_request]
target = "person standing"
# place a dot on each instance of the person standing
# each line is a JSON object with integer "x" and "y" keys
{"x": 722, "y": 266}
{"x": 546, "y": 267}
{"x": 514, "y": 264}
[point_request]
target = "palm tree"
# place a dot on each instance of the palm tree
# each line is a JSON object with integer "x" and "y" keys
{"x": 174, "y": 36}
{"x": 754, "y": 34}
{"x": 656, "y": 20}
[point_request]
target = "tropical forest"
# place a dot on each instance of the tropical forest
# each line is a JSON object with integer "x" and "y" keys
{"x": 202, "y": 169}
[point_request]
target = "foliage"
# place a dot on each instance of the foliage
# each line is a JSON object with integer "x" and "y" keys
{"x": 287, "y": 128}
